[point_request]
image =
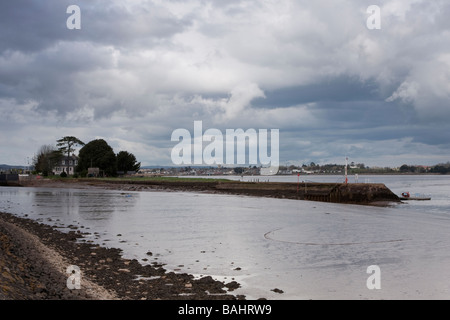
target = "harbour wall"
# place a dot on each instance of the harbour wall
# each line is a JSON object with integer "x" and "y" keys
{"x": 354, "y": 193}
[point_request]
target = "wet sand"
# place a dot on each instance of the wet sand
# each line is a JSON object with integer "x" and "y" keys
{"x": 34, "y": 259}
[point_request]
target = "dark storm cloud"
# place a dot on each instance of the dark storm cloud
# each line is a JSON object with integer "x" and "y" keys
{"x": 340, "y": 89}
{"x": 137, "y": 70}
{"x": 142, "y": 25}
{"x": 42, "y": 60}
{"x": 30, "y": 26}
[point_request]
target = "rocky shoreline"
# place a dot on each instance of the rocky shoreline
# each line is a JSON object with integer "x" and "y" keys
{"x": 34, "y": 258}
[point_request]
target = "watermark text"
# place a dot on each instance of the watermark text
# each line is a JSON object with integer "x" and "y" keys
{"x": 74, "y": 280}
{"x": 230, "y": 149}
{"x": 374, "y": 20}
{"x": 374, "y": 281}
{"x": 73, "y": 22}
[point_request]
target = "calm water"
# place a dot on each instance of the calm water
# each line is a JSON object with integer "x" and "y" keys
{"x": 307, "y": 249}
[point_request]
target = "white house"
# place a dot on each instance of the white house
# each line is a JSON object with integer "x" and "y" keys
{"x": 66, "y": 164}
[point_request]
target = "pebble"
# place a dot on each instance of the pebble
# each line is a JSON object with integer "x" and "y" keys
{"x": 124, "y": 270}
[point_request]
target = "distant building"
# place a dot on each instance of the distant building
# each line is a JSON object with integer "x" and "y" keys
{"x": 66, "y": 164}
{"x": 93, "y": 172}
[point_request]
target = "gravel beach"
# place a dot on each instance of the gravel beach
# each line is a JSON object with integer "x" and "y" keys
{"x": 34, "y": 259}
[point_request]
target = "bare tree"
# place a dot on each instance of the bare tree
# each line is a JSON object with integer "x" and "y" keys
{"x": 46, "y": 158}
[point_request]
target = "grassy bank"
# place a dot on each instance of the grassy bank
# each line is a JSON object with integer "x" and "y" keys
{"x": 162, "y": 179}
{"x": 314, "y": 191}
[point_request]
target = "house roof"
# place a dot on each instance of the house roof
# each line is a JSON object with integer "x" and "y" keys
{"x": 72, "y": 157}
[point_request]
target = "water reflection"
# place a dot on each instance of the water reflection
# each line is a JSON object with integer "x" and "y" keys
{"x": 64, "y": 202}
{"x": 68, "y": 204}
{"x": 308, "y": 249}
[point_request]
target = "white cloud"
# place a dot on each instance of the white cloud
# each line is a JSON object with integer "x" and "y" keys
{"x": 407, "y": 92}
{"x": 139, "y": 69}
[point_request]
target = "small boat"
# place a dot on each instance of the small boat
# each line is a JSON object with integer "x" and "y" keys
{"x": 407, "y": 196}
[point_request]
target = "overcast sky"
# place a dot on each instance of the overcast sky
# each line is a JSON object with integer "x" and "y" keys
{"x": 138, "y": 70}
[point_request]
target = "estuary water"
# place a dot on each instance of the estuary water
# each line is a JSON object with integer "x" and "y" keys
{"x": 308, "y": 250}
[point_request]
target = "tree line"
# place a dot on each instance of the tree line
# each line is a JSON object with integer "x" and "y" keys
{"x": 442, "y": 168}
{"x": 95, "y": 154}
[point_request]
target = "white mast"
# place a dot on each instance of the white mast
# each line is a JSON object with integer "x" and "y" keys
{"x": 346, "y": 163}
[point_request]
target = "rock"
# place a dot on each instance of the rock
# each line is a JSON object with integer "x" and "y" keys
{"x": 277, "y": 290}
{"x": 124, "y": 270}
{"x": 233, "y": 285}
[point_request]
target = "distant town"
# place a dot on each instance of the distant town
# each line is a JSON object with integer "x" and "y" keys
{"x": 312, "y": 168}
{"x": 305, "y": 169}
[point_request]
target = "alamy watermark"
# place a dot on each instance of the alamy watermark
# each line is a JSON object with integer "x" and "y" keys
{"x": 74, "y": 20}
{"x": 74, "y": 280}
{"x": 228, "y": 149}
{"x": 374, "y": 280}
{"x": 374, "y": 20}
